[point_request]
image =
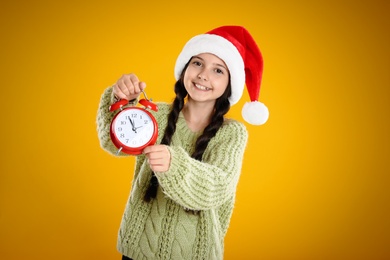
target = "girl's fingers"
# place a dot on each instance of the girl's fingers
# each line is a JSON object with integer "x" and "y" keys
{"x": 128, "y": 87}
{"x": 159, "y": 157}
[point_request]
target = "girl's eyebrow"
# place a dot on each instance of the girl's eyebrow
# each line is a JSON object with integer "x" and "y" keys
{"x": 216, "y": 64}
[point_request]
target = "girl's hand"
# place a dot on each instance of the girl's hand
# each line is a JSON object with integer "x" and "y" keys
{"x": 128, "y": 87}
{"x": 159, "y": 157}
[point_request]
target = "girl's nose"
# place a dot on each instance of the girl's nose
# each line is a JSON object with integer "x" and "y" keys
{"x": 202, "y": 75}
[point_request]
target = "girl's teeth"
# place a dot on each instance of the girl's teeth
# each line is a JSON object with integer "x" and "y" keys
{"x": 201, "y": 87}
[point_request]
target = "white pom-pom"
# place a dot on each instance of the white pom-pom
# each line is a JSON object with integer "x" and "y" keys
{"x": 255, "y": 113}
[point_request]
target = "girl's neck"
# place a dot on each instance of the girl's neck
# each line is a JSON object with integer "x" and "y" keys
{"x": 197, "y": 115}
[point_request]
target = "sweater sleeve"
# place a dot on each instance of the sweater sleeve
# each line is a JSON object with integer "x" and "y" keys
{"x": 204, "y": 185}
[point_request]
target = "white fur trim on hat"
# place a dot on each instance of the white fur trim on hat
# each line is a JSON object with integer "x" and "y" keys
{"x": 255, "y": 113}
{"x": 222, "y": 48}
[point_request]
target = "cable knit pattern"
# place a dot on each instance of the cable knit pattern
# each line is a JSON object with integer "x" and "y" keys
{"x": 163, "y": 229}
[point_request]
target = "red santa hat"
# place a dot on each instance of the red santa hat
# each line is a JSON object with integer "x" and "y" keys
{"x": 236, "y": 47}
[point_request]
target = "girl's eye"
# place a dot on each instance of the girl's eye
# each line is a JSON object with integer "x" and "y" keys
{"x": 197, "y": 63}
{"x": 219, "y": 71}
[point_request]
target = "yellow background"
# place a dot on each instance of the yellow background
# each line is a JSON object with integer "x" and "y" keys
{"x": 315, "y": 180}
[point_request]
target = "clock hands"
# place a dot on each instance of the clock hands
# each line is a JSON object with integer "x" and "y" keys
{"x": 133, "y": 126}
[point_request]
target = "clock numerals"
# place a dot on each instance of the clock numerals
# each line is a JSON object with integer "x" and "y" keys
{"x": 133, "y": 116}
{"x": 134, "y": 129}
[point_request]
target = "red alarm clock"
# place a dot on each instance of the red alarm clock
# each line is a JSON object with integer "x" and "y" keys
{"x": 133, "y": 128}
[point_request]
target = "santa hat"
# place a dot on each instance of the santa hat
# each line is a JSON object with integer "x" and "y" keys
{"x": 236, "y": 47}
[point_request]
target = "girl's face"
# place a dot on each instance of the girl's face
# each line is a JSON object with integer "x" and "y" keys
{"x": 206, "y": 78}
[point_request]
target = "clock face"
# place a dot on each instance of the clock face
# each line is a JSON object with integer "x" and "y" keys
{"x": 133, "y": 127}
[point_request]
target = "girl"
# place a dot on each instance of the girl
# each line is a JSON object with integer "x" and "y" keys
{"x": 183, "y": 189}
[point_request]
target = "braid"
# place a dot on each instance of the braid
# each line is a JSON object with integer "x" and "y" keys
{"x": 177, "y": 106}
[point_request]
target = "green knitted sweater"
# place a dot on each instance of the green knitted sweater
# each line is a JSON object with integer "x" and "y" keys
{"x": 163, "y": 228}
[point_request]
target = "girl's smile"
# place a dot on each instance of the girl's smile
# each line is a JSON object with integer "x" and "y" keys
{"x": 200, "y": 87}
